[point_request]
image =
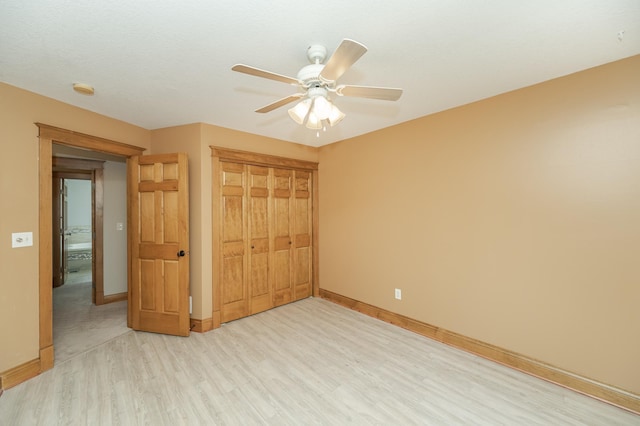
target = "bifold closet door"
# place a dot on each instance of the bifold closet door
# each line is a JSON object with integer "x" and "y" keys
{"x": 263, "y": 249}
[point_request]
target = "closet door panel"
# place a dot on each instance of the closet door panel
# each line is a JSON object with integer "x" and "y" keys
{"x": 234, "y": 289}
{"x": 233, "y": 272}
{"x": 303, "y": 272}
{"x": 282, "y": 267}
{"x": 261, "y": 296}
{"x": 282, "y": 228}
{"x": 303, "y": 236}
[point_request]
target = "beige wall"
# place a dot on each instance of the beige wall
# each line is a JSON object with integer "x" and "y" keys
{"x": 19, "y": 110}
{"x": 514, "y": 220}
{"x": 114, "y": 241}
{"x": 195, "y": 140}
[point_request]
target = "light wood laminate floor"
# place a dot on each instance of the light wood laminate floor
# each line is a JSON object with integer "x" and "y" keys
{"x": 310, "y": 362}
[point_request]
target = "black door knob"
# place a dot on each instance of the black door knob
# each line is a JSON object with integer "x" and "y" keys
{"x": 181, "y": 253}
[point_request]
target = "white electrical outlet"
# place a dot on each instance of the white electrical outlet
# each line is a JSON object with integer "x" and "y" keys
{"x": 21, "y": 239}
{"x": 398, "y": 294}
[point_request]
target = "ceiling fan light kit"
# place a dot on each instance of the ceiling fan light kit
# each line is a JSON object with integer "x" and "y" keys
{"x": 316, "y": 81}
{"x": 336, "y": 116}
{"x": 321, "y": 107}
{"x": 299, "y": 112}
{"x": 313, "y": 122}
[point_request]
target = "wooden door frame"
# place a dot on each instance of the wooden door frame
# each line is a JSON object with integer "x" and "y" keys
{"x": 75, "y": 168}
{"x": 48, "y": 135}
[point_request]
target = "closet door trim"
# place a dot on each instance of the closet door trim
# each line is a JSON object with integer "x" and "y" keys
{"x": 252, "y": 158}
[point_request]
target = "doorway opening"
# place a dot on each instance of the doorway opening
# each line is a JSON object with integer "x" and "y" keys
{"x": 89, "y": 302}
{"x": 88, "y": 145}
{"x": 77, "y": 225}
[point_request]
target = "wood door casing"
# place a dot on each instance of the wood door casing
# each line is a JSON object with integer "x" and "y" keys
{"x": 159, "y": 221}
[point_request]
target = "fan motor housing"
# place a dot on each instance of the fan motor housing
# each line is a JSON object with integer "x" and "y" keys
{"x": 309, "y": 75}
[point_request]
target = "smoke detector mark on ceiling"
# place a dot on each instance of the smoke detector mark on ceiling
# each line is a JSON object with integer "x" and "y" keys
{"x": 84, "y": 89}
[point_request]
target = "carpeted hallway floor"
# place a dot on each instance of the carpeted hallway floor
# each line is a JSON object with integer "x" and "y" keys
{"x": 79, "y": 325}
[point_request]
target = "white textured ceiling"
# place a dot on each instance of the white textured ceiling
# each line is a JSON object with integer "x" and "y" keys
{"x": 160, "y": 63}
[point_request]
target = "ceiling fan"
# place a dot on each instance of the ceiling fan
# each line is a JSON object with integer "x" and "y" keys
{"x": 317, "y": 81}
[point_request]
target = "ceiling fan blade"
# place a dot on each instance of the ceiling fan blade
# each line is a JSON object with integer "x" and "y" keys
{"x": 246, "y": 69}
{"x": 382, "y": 93}
{"x": 345, "y": 55}
{"x": 279, "y": 103}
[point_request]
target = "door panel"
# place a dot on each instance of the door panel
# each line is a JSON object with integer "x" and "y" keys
{"x": 58, "y": 233}
{"x": 233, "y": 279}
{"x": 261, "y": 297}
{"x": 234, "y": 291}
{"x": 282, "y": 192}
{"x": 303, "y": 235}
{"x": 159, "y": 221}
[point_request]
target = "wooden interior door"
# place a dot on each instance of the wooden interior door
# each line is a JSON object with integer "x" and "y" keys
{"x": 65, "y": 234}
{"x": 260, "y": 290}
{"x": 159, "y": 232}
{"x": 60, "y": 240}
{"x": 282, "y": 244}
{"x": 303, "y": 247}
{"x": 58, "y": 232}
{"x": 233, "y": 265}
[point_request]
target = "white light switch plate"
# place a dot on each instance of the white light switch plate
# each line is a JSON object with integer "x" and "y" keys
{"x": 21, "y": 239}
